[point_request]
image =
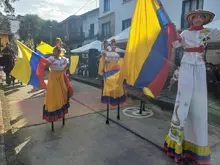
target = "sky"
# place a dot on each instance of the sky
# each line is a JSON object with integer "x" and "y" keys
{"x": 54, "y": 9}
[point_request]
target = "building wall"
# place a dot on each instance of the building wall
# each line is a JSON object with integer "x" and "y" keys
{"x": 121, "y": 10}
{"x": 175, "y": 13}
{"x": 109, "y": 17}
{"x": 91, "y": 18}
{"x": 14, "y": 23}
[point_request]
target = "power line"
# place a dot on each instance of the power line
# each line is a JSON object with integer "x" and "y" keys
{"x": 84, "y": 6}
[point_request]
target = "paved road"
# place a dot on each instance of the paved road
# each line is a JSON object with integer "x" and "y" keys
{"x": 86, "y": 139}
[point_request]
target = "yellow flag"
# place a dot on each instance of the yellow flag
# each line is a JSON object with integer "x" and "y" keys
{"x": 46, "y": 50}
{"x": 22, "y": 68}
{"x": 73, "y": 63}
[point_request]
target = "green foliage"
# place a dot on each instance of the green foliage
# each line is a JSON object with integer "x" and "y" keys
{"x": 4, "y": 24}
{"x": 7, "y": 5}
{"x": 38, "y": 29}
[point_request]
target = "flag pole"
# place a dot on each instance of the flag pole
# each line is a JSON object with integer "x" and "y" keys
{"x": 162, "y": 8}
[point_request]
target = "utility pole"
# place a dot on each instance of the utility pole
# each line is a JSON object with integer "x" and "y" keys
{"x": 50, "y": 35}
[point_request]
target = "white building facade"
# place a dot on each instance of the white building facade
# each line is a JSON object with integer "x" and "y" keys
{"x": 91, "y": 25}
{"x": 114, "y": 16}
{"x": 15, "y": 25}
{"x": 176, "y": 9}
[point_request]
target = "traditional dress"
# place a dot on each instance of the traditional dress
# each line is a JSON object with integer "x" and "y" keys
{"x": 59, "y": 90}
{"x": 113, "y": 93}
{"x": 188, "y": 134}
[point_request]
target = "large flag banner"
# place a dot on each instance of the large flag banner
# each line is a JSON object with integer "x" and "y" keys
{"x": 45, "y": 50}
{"x": 73, "y": 64}
{"x": 29, "y": 67}
{"x": 146, "y": 62}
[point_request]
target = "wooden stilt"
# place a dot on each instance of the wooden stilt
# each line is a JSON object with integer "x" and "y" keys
{"x": 107, "y": 120}
{"x": 141, "y": 107}
{"x": 52, "y": 126}
{"x": 64, "y": 120}
{"x": 144, "y": 107}
{"x": 118, "y": 117}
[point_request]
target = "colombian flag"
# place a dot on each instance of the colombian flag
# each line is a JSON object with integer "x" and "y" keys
{"x": 45, "y": 50}
{"x": 146, "y": 62}
{"x": 29, "y": 68}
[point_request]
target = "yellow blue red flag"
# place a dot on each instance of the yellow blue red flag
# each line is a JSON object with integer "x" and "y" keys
{"x": 45, "y": 50}
{"x": 29, "y": 67}
{"x": 146, "y": 62}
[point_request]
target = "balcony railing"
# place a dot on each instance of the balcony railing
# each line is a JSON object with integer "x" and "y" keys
{"x": 75, "y": 36}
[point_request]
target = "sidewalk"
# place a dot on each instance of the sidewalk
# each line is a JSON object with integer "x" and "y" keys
{"x": 165, "y": 100}
{"x": 2, "y": 130}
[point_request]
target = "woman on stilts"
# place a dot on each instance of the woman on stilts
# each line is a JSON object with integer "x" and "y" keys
{"x": 59, "y": 89}
{"x": 188, "y": 134}
{"x": 112, "y": 94}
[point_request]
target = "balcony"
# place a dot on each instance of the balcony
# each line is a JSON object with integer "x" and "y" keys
{"x": 103, "y": 37}
{"x": 75, "y": 37}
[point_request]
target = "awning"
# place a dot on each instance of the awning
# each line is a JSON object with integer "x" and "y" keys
{"x": 122, "y": 37}
{"x": 93, "y": 45}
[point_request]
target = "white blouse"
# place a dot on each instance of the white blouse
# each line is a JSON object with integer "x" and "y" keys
{"x": 58, "y": 64}
{"x": 191, "y": 39}
{"x": 112, "y": 57}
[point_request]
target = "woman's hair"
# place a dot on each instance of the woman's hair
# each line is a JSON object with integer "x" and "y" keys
{"x": 58, "y": 49}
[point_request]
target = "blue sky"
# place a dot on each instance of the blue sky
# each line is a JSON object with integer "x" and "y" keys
{"x": 53, "y": 9}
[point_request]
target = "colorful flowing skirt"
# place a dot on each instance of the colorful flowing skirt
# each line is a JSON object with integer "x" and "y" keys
{"x": 113, "y": 93}
{"x": 188, "y": 134}
{"x": 58, "y": 92}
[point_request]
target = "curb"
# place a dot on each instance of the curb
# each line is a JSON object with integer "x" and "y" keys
{"x": 132, "y": 93}
{"x": 213, "y": 119}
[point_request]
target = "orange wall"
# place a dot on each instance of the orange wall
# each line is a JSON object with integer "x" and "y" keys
{"x": 4, "y": 39}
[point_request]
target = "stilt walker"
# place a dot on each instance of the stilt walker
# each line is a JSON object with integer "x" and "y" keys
{"x": 59, "y": 89}
{"x": 113, "y": 94}
{"x": 102, "y": 61}
{"x": 188, "y": 134}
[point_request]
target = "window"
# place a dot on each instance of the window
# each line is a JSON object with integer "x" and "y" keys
{"x": 126, "y": 24}
{"x": 124, "y": 1}
{"x": 91, "y": 30}
{"x": 106, "y": 5}
{"x": 106, "y": 29}
{"x": 189, "y": 5}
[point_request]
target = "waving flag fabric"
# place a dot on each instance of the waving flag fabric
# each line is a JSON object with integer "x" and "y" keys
{"x": 45, "y": 50}
{"x": 73, "y": 63}
{"x": 29, "y": 68}
{"x": 146, "y": 62}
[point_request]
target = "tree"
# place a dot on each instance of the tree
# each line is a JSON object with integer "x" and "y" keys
{"x": 30, "y": 27}
{"x": 4, "y": 24}
{"x": 7, "y": 5}
{"x": 49, "y": 28}
{"x": 33, "y": 27}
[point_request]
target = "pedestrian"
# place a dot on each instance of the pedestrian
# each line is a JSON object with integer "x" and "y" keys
{"x": 188, "y": 134}
{"x": 59, "y": 89}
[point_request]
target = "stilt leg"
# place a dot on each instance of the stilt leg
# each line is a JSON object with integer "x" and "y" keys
{"x": 141, "y": 107}
{"x": 107, "y": 120}
{"x": 144, "y": 107}
{"x": 118, "y": 117}
{"x": 52, "y": 126}
{"x": 63, "y": 120}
